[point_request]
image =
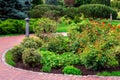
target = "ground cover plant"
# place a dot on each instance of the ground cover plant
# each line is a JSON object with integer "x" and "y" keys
{"x": 92, "y": 46}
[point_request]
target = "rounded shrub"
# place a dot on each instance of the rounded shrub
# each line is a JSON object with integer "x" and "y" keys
{"x": 45, "y": 27}
{"x": 32, "y": 42}
{"x": 97, "y": 11}
{"x": 58, "y": 44}
{"x": 17, "y": 52}
{"x": 11, "y": 26}
{"x": 40, "y": 10}
{"x": 31, "y": 57}
{"x": 71, "y": 70}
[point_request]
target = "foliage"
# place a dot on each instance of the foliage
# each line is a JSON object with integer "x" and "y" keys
{"x": 32, "y": 42}
{"x": 61, "y": 46}
{"x": 45, "y": 27}
{"x": 106, "y": 73}
{"x": 82, "y": 2}
{"x": 31, "y": 57}
{"x": 71, "y": 70}
{"x": 11, "y": 26}
{"x": 106, "y": 2}
{"x": 95, "y": 42}
{"x": 14, "y": 8}
{"x": 9, "y": 58}
{"x": 42, "y": 10}
{"x": 55, "y": 60}
{"x": 97, "y": 11}
{"x": 115, "y": 4}
{"x": 71, "y": 12}
{"x": 17, "y": 52}
{"x": 37, "y": 2}
{"x": 46, "y": 68}
{"x": 52, "y": 2}
{"x": 69, "y": 2}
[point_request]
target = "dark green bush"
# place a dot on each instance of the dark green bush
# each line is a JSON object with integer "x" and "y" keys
{"x": 17, "y": 52}
{"x": 31, "y": 57}
{"x": 97, "y": 11}
{"x": 71, "y": 12}
{"x": 52, "y": 2}
{"x": 32, "y": 43}
{"x": 71, "y": 70}
{"x": 105, "y": 2}
{"x": 39, "y": 11}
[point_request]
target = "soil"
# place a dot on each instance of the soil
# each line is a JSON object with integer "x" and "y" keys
{"x": 59, "y": 70}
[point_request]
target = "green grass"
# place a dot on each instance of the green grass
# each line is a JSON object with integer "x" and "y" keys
{"x": 115, "y": 22}
{"x": 62, "y": 27}
{"x": 9, "y": 58}
{"x": 106, "y": 73}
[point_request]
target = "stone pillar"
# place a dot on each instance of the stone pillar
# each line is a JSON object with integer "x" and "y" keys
{"x": 110, "y": 17}
{"x": 27, "y": 27}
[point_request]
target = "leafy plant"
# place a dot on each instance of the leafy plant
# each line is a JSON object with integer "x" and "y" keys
{"x": 46, "y": 68}
{"x": 106, "y": 73}
{"x": 61, "y": 46}
{"x": 45, "y": 27}
{"x": 92, "y": 10}
{"x": 32, "y": 42}
{"x": 71, "y": 70}
{"x": 31, "y": 57}
{"x": 17, "y": 52}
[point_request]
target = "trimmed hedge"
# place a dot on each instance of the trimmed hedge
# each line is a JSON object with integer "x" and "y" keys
{"x": 53, "y": 11}
{"x": 97, "y": 11}
{"x": 41, "y": 10}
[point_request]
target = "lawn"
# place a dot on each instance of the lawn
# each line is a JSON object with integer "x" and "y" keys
{"x": 9, "y": 58}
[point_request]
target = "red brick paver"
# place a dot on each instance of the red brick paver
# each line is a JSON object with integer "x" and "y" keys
{"x": 10, "y": 73}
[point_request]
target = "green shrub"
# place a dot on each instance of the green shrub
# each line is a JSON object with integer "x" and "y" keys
{"x": 32, "y": 43}
{"x": 52, "y": 2}
{"x": 71, "y": 12}
{"x": 97, "y": 11}
{"x": 31, "y": 57}
{"x": 55, "y": 60}
{"x": 106, "y": 73}
{"x": 39, "y": 11}
{"x": 96, "y": 43}
{"x": 45, "y": 27}
{"x": 105, "y": 2}
{"x": 115, "y": 4}
{"x": 93, "y": 58}
{"x": 17, "y": 52}
{"x": 46, "y": 68}
{"x": 71, "y": 70}
{"x": 58, "y": 44}
{"x": 117, "y": 53}
{"x": 11, "y": 26}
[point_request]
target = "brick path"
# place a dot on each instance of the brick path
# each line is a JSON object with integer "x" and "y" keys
{"x": 10, "y": 73}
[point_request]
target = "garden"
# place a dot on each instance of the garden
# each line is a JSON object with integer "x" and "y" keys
{"x": 91, "y": 47}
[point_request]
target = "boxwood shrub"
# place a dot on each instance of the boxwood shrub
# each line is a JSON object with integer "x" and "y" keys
{"x": 97, "y": 11}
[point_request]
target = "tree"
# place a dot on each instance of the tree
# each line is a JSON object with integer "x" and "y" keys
{"x": 69, "y": 2}
{"x": 37, "y": 2}
{"x": 81, "y": 2}
{"x": 51, "y": 2}
{"x": 14, "y": 8}
{"x": 106, "y": 2}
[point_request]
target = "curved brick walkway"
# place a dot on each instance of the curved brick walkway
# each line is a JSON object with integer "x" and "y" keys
{"x": 10, "y": 73}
